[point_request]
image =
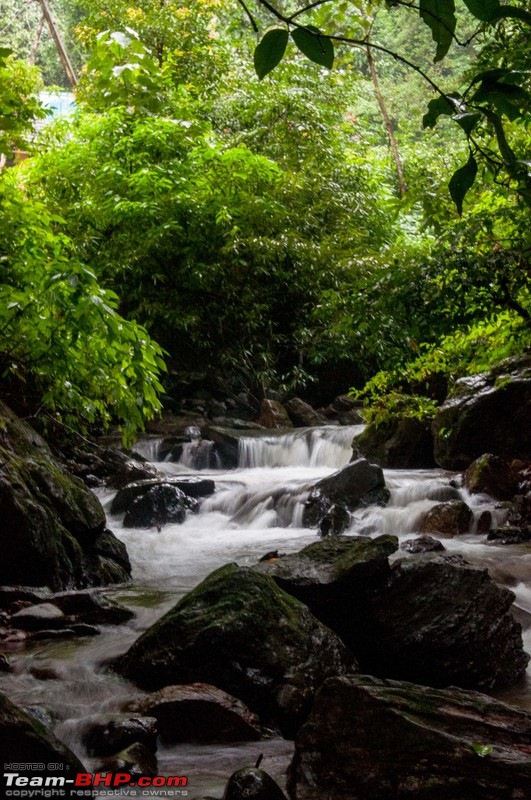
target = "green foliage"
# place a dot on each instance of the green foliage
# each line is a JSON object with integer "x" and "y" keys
{"x": 19, "y": 105}
{"x": 62, "y": 343}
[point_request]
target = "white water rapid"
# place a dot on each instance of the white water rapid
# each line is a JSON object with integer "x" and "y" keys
{"x": 255, "y": 509}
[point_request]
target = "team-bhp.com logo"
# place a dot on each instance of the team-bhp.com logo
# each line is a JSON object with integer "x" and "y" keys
{"x": 35, "y": 786}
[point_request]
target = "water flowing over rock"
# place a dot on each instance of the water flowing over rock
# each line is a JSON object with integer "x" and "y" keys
{"x": 191, "y": 487}
{"x": 199, "y": 712}
{"x": 357, "y": 484}
{"x": 110, "y": 734}
{"x": 486, "y": 413}
{"x": 238, "y": 631}
{"x": 24, "y": 740}
{"x": 159, "y": 505}
{"x": 368, "y": 739}
{"x": 448, "y": 519}
{"x": 53, "y": 527}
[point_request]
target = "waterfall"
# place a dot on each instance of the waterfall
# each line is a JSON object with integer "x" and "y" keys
{"x": 329, "y": 446}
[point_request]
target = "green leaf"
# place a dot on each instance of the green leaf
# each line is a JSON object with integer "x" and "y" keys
{"x": 269, "y": 51}
{"x": 483, "y": 9}
{"x": 444, "y": 105}
{"x": 461, "y": 181}
{"x": 505, "y": 12}
{"x": 482, "y": 750}
{"x": 467, "y": 121}
{"x": 315, "y": 46}
{"x": 439, "y": 16}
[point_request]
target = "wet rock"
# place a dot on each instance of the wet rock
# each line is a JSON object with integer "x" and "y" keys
{"x": 302, "y": 414}
{"x": 191, "y": 487}
{"x": 509, "y": 535}
{"x": 491, "y": 475}
{"x": 335, "y": 522}
{"x": 111, "y": 734}
{"x": 25, "y": 740}
{"x": 11, "y": 595}
{"x": 441, "y": 624}
{"x": 273, "y": 415}
{"x": 400, "y": 443}
{"x": 44, "y": 615}
{"x": 347, "y": 410}
{"x": 160, "y": 505}
{"x": 357, "y": 484}
{"x": 239, "y": 631}
{"x": 368, "y": 739}
{"x": 422, "y": 544}
{"x": 484, "y": 522}
{"x": 91, "y": 607}
{"x": 72, "y": 632}
{"x": 199, "y": 712}
{"x": 252, "y": 783}
{"x": 52, "y": 522}
{"x": 486, "y": 413}
{"x": 5, "y": 666}
{"x": 137, "y": 760}
{"x": 449, "y": 519}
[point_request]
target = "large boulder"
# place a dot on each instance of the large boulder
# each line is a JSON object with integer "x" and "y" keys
{"x": 356, "y": 485}
{"x": 191, "y": 486}
{"x": 491, "y": 475}
{"x": 486, "y": 413}
{"x": 439, "y": 624}
{"x": 25, "y": 740}
{"x": 399, "y": 443}
{"x": 449, "y": 519}
{"x": 53, "y": 527}
{"x": 302, "y": 414}
{"x": 368, "y": 739}
{"x": 160, "y": 505}
{"x": 238, "y": 631}
{"x": 198, "y": 712}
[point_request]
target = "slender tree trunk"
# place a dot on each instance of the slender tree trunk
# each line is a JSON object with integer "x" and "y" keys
{"x": 63, "y": 55}
{"x": 388, "y": 126}
{"x": 37, "y": 40}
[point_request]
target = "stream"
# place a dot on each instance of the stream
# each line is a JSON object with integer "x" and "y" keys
{"x": 256, "y": 508}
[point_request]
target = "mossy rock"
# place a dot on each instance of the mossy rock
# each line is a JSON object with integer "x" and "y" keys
{"x": 238, "y": 631}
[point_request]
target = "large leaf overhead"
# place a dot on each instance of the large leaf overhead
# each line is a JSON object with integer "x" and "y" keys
{"x": 270, "y": 50}
{"x": 439, "y": 16}
{"x": 461, "y": 181}
{"x": 315, "y": 46}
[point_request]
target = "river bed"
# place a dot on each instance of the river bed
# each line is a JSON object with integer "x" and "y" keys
{"x": 239, "y": 523}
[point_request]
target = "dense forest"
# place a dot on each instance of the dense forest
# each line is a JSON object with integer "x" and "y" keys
{"x": 263, "y": 197}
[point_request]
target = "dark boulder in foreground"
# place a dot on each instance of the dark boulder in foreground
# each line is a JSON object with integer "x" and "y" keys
{"x": 252, "y": 783}
{"x": 25, "y": 740}
{"x": 368, "y": 739}
{"x": 238, "y": 631}
{"x": 198, "y": 712}
{"x": 486, "y": 413}
{"x": 53, "y": 528}
{"x": 356, "y": 485}
{"x": 439, "y": 623}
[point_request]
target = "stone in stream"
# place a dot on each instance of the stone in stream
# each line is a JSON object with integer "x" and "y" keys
{"x": 422, "y": 544}
{"x": 137, "y": 760}
{"x": 357, "y": 485}
{"x": 238, "y": 631}
{"x": 448, "y": 519}
{"x": 199, "y": 712}
{"x": 160, "y": 505}
{"x": 53, "y": 527}
{"x": 191, "y": 487}
{"x": 110, "y": 734}
{"x": 252, "y": 783}
{"x": 370, "y": 739}
{"x": 25, "y": 740}
{"x": 491, "y": 475}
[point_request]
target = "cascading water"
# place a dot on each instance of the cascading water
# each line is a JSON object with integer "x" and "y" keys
{"x": 256, "y": 508}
